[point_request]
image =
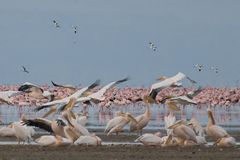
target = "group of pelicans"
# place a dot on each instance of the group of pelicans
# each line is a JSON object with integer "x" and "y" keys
{"x": 69, "y": 128}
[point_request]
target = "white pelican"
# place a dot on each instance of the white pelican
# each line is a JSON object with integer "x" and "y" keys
{"x": 169, "y": 140}
{"x": 82, "y": 118}
{"x": 214, "y": 131}
{"x": 157, "y": 87}
{"x": 119, "y": 123}
{"x": 114, "y": 121}
{"x": 149, "y": 139}
{"x": 196, "y": 127}
{"x": 35, "y": 91}
{"x": 142, "y": 121}
{"x": 65, "y": 100}
{"x": 22, "y": 133}
{"x": 71, "y": 118}
{"x": 183, "y": 133}
{"x": 70, "y": 88}
{"x": 5, "y": 96}
{"x": 99, "y": 95}
{"x": 90, "y": 140}
{"x": 186, "y": 99}
{"x": 58, "y": 127}
{"x": 49, "y": 140}
{"x": 199, "y": 131}
{"x": 7, "y": 131}
{"x": 226, "y": 142}
{"x": 46, "y": 140}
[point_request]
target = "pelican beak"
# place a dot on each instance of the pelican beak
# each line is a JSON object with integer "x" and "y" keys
{"x": 121, "y": 114}
{"x": 131, "y": 118}
{"x": 148, "y": 99}
{"x": 169, "y": 138}
{"x": 52, "y": 110}
{"x": 70, "y": 104}
{"x": 173, "y": 106}
{"x": 178, "y": 123}
{"x": 72, "y": 114}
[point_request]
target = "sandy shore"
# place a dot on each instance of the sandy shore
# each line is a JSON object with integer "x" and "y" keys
{"x": 117, "y": 153}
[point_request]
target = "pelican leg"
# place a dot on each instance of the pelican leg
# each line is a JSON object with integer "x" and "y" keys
{"x": 18, "y": 141}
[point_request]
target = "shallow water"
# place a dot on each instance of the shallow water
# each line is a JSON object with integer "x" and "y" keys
{"x": 229, "y": 117}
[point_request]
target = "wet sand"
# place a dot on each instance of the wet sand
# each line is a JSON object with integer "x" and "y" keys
{"x": 117, "y": 152}
{"x": 120, "y": 152}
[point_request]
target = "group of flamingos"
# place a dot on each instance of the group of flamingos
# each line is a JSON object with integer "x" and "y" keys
{"x": 69, "y": 128}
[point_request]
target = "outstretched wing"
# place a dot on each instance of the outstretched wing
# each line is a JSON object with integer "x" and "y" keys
{"x": 194, "y": 93}
{"x": 99, "y": 94}
{"x": 157, "y": 87}
{"x": 39, "y": 122}
{"x": 63, "y": 86}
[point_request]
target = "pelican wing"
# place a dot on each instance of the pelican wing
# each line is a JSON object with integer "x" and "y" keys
{"x": 63, "y": 86}
{"x": 194, "y": 93}
{"x": 29, "y": 87}
{"x": 156, "y": 87}
{"x": 191, "y": 80}
{"x": 9, "y": 93}
{"x": 184, "y": 100}
{"x": 49, "y": 104}
{"x": 65, "y": 100}
{"x": 218, "y": 131}
{"x": 40, "y": 123}
{"x": 149, "y": 138}
{"x": 113, "y": 122}
{"x": 99, "y": 94}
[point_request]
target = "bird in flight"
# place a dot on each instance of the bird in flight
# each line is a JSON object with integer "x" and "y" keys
{"x": 152, "y": 46}
{"x": 56, "y": 24}
{"x": 25, "y": 70}
{"x": 199, "y": 67}
{"x": 215, "y": 69}
{"x": 75, "y": 28}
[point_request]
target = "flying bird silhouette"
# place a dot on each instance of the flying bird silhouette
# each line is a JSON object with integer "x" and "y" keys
{"x": 56, "y": 24}
{"x": 75, "y": 28}
{"x": 25, "y": 70}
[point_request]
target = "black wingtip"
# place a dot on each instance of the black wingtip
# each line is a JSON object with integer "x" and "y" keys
{"x": 95, "y": 84}
{"x": 39, "y": 108}
{"x": 54, "y": 84}
{"x": 23, "y": 88}
{"x": 123, "y": 80}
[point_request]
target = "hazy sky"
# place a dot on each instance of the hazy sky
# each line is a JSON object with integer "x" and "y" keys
{"x": 112, "y": 40}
